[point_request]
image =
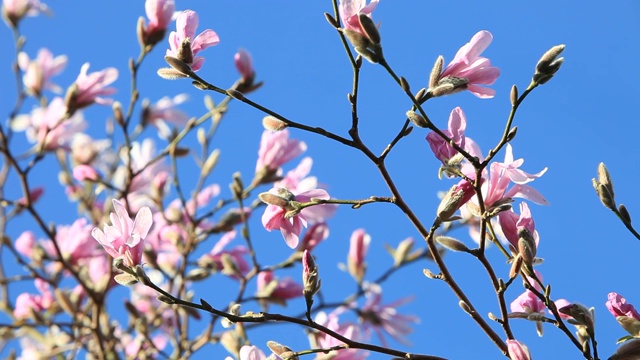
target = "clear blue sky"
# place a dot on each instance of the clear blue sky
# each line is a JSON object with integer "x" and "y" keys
{"x": 583, "y": 116}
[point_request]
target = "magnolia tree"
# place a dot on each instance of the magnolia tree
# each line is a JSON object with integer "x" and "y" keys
{"x": 121, "y": 277}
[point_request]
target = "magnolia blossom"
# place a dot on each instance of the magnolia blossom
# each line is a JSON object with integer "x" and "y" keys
{"x": 455, "y": 131}
{"x": 350, "y": 11}
{"x": 74, "y": 241}
{"x": 316, "y": 234}
{"x": 140, "y": 156}
{"x": 244, "y": 64}
{"x": 297, "y": 180}
{"x": 284, "y": 289}
{"x": 276, "y": 148}
{"x": 618, "y": 306}
{"x": 236, "y": 254}
{"x": 39, "y": 303}
{"x": 184, "y": 45}
{"x": 159, "y": 13}
{"x": 528, "y": 306}
{"x": 164, "y": 112}
{"x": 517, "y": 350}
{"x": 500, "y": 177}
{"x": 124, "y": 239}
{"x": 89, "y": 88}
{"x": 385, "y": 318}
{"x": 473, "y": 68}
{"x": 274, "y": 216}
{"x": 512, "y": 224}
{"x": 326, "y": 341}
{"x": 359, "y": 244}
{"x": 14, "y": 10}
{"x": 38, "y": 71}
{"x": 26, "y": 243}
{"x": 49, "y": 126}
{"x": 84, "y": 172}
{"x": 34, "y": 195}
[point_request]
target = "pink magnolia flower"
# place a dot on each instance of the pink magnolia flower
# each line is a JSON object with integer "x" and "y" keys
{"x": 473, "y": 68}
{"x": 326, "y": 341}
{"x": 250, "y": 352}
{"x": 36, "y": 302}
{"x": 285, "y": 289}
{"x": 316, "y": 234}
{"x": 74, "y": 241}
{"x": 84, "y": 172}
{"x": 455, "y": 131}
{"x": 140, "y": 157}
{"x": 350, "y": 11}
{"x": 528, "y": 306}
{"x": 500, "y": 177}
{"x": 517, "y": 350}
{"x": 49, "y": 127}
{"x": 385, "y": 318}
{"x": 38, "y": 71}
{"x": 359, "y": 244}
{"x": 244, "y": 64}
{"x": 159, "y": 13}
{"x": 34, "y": 195}
{"x": 276, "y": 148}
{"x": 185, "y": 45}
{"x": 297, "y": 180}
{"x": 163, "y": 113}
{"x": 89, "y": 88}
{"x": 290, "y": 227}
{"x": 25, "y": 243}
{"x": 15, "y": 10}
{"x": 237, "y": 253}
{"x": 618, "y": 306}
{"x": 125, "y": 237}
{"x": 512, "y": 224}
{"x": 561, "y": 303}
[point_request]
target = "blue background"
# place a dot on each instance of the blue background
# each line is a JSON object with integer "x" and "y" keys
{"x": 585, "y": 115}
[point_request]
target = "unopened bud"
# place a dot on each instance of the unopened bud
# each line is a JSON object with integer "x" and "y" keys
{"x": 624, "y": 214}
{"x": 457, "y": 196}
{"x": 548, "y": 65}
{"x": 465, "y": 307}
{"x": 417, "y": 119}
{"x": 435, "y": 72}
{"x": 277, "y": 348}
{"x": 310, "y": 278}
{"x": 452, "y": 244}
{"x": 179, "y": 65}
{"x": 513, "y": 96}
{"x": 526, "y": 247}
{"x": 170, "y": 74}
{"x": 401, "y": 253}
{"x": 211, "y": 162}
{"x": 516, "y": 266}
{"x": 604, "y": 194}
{"x": 117, "y": 112}
{"x": 274, "y": 124}
{"x": 404, "y": 84}
{"x": 282, "y": 200}
{"x": 512, "y": 133}
{"x": 333, "y": 22}
{"x": 605, "y": 179}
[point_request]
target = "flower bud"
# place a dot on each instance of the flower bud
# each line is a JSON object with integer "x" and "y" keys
{"x": 310, "y": 280}
{"x": 457, "y": 196}
{"x": 526, "y": 247}
{"x": 435, "y": 72}
{"x": 417, "y": 119}
{"x": 548, "y": 65}
{"x": 274, "y": 124}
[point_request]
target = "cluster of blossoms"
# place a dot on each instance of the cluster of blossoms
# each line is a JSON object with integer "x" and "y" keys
{"x": 149, "y": 250}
